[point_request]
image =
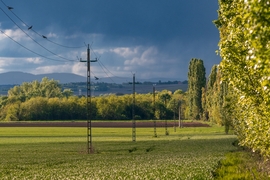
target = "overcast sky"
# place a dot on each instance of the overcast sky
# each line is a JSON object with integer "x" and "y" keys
{"x": 151, "y": 38}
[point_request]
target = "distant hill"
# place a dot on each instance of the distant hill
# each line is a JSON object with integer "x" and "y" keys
{"x": 15, "y": 78}
{"x": 78, "y": 83}
{"x": 11, "y": 78}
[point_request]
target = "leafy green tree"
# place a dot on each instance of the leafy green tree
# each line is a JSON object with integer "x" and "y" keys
{"x": 54, "y": 108}
{"x": 244, "y": 48}
{"x": 205, "y": 115}
{"x": 46, "y": 88}
{"x": 160, "y": 112}
{"x": 11, "y": 111}
{"x": 3, "y": 101}
{"x": 109, "y": 107}
{"x": 228, "y": 105}
{"x": 219, "y": 100}
{"x": 178, "y": 91}
{"x": 35, "y": 108}
{"x": 67, "y": 93}
{"x": 144, "y": 106}
{"x": 196, "y": 81}
{"x": 212, "y": 94}
{"x": 165, "y": 96}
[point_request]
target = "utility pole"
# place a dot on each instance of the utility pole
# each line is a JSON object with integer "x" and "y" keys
{"x": 179, "y": 110}
{"x": 154, "y": 110}
{"x": 88, "y": 84}
{"x": 174, "y": 115}
{"x": 165, "y": 114}
{"x": 133, "y": 113}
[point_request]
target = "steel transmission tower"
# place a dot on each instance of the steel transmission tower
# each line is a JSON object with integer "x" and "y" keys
{"x": 89, "y": 123}
{"x": 133, "y": 112}
{"x": 154, "y": 110}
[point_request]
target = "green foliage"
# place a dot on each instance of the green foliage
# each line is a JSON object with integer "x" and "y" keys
{"x": 165, "y": 96}
{"x": 219, "y": 100}
{"x": 12, "y": 112}
{"x": 103, "y": 107}
{"x": 60, "y": 153}
{"x": 196, "y": 81}
{"x": 240, "y": 165}
{"x": 244, "y": 48}
{"x": 45, "y": 101}
{"x": 46, "y": 88}
{"x": 3, "y": 101}
{"x": 212, "y": 97}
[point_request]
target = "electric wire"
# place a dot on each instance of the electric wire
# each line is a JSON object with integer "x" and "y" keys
{"x": 104, "y": 65}
{"x": 101, "y": 62}
{"x": 44, "y": 37}
{"x": 105, "y": 69}
{"x": 30, "y": 49}
{"x": 98, "y": 60}
{"x": 33, "y": 38}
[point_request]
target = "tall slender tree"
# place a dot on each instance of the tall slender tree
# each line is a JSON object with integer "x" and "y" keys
{"x": 196, "y": 81}
{"x": 211, "y": 96}
{"x": 244, "y": 48}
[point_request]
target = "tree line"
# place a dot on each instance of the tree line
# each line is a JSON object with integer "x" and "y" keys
{"x": 244, "y": 47}
{"x": 237, "y": 92}
{"x": 46, "y": 101}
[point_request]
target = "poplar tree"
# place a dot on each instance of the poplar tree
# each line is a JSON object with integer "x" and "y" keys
{"x": 196, "y": 81}
{"x": 219, "y": 100}
{"x": 244, "y": 48}
{"x": 209, "y": 99}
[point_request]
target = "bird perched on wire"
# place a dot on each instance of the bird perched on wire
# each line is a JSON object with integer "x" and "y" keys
{"x": 96, "y": 78}
{"x": 44, "y": 37}
{"x": 10, "y": 7}
{"x": 30, "y": 27}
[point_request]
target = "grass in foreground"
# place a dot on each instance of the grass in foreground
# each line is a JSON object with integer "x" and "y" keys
{"x": 60, "y": 153}
{"x": 242, "y": 164}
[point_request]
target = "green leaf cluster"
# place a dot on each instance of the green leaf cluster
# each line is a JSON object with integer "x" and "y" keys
{"x": 46, "y": 88}
{"x": 244, "y": 46}
{"x": 196, "y": 81}
{"x": 218, "y": 100}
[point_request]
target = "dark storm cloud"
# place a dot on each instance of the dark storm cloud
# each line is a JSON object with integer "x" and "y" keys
{"x": 149, "y": 20}
{"x": 170, "y": 32}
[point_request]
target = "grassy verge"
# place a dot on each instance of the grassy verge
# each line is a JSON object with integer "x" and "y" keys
{"x": 242, "y": 164}
{"x": 60, "y": 153}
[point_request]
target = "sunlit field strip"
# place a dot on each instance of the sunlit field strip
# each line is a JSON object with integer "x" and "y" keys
{"x": 67, "y": 134}
{"x": 60, "y": 153}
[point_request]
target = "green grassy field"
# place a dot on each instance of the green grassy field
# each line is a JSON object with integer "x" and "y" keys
{"x": 61, "y": 153}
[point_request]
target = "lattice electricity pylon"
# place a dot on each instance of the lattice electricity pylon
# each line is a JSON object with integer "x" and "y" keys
{"x": 179, "y": 116}
{"x": 133, "y": 113}
{"x": 89, "y": 123}
{"x": 154, "y": 110}
{"x": 174, "y": 115}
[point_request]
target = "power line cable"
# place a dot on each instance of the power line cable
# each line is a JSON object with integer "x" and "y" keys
{"x": 105, "y": 69}
{"x": 101, "y": 62}
{"x": 98, "y": 60}
{"x": 141, "y": 88}
{"x": 31, "y": 28}
{"x": 30, "y": 49}
{"x": 33, "y": 38}
{"x": 106, "y": 72}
